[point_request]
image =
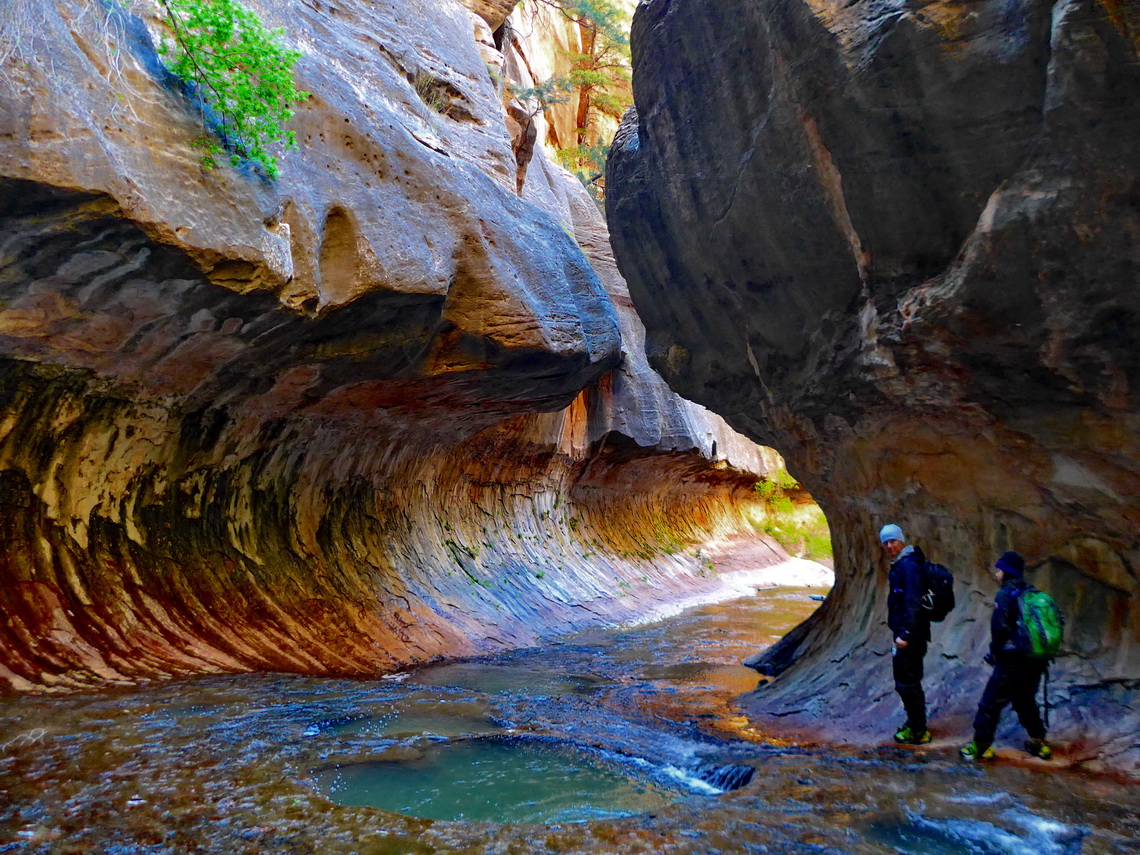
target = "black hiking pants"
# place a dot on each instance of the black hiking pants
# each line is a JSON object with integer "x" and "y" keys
{"x": 907, "y": 666}
{"x": 1014, "y": 681}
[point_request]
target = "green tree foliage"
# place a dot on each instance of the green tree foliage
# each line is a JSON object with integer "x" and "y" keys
{"x": 543, "y": 95}
{"x": 602, "y": 16}
{"x": 242, "y": 70}
{"x": 597, "y": 84}
{"x": 800, "y": 527}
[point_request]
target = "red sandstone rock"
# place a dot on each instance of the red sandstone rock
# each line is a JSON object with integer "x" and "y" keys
{"x": 369, "y": 414}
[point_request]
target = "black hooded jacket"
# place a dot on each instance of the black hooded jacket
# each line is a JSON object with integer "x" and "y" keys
{"x": 905, "y": 614}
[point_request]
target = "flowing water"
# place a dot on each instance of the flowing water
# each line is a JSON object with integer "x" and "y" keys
{"x": 608, "y": 741}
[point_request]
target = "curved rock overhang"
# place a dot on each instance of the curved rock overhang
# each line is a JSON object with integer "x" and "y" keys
{"x": 897, "y": 241}
{"x": 378, "y": 411}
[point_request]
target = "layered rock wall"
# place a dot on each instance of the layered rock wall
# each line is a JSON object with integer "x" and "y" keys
{"x": 897, "y": 241}
{"x": 379, "y": 410}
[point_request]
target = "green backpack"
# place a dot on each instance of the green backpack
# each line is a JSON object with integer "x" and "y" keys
{"x": 1040, "y": 626}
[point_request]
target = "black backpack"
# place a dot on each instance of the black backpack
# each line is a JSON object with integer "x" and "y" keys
{"x": 938, "y": 599}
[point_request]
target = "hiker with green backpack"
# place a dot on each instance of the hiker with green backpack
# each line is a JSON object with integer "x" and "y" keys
{"x": 1025, "y": 634}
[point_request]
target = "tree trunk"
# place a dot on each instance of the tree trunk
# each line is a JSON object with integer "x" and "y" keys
{"x": 589, "y": 35}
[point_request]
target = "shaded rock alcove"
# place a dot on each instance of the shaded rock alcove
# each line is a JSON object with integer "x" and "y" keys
{"x": 897, "y": 241}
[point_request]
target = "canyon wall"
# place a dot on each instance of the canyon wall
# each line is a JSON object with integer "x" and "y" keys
{"x": 379, "y": 410}
{"x": 897, "y": 240}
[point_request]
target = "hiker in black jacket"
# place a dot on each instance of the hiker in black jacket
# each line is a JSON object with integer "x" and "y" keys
{"x": 1015, "y": 677}
{"x": 910, "y": 630}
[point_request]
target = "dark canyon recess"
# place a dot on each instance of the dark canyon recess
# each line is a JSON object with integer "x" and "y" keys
{"x": 898, "y": 241}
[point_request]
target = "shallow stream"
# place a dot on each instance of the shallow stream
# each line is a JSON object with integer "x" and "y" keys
{"x": 603, "y": 742}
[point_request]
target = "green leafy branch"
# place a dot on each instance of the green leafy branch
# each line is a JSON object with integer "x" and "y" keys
{"x": 603, "y": 16}
{"x": 242, "y": 70}
{"x": 543, "y": 95}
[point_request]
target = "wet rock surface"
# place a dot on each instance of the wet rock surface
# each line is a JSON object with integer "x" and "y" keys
{"x": 232, "y": 764}
{"x": 897, "y": 242}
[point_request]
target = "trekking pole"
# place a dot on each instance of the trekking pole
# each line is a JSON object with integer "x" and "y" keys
{"x": 1045, "y": 691}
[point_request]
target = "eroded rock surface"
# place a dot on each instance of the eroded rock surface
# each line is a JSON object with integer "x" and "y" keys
{"x": 897, "y": 241}
{"x": 369, "y": 414}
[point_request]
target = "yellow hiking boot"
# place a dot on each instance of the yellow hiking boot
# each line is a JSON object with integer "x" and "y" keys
{"x": 908, "y": 736}
{"x": 973, "y": 751}
{"x": 1039, "y": 748}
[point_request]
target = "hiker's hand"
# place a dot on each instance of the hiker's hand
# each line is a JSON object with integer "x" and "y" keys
{"x": 989, "y": 659}
{"x": 900, "y": 644}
